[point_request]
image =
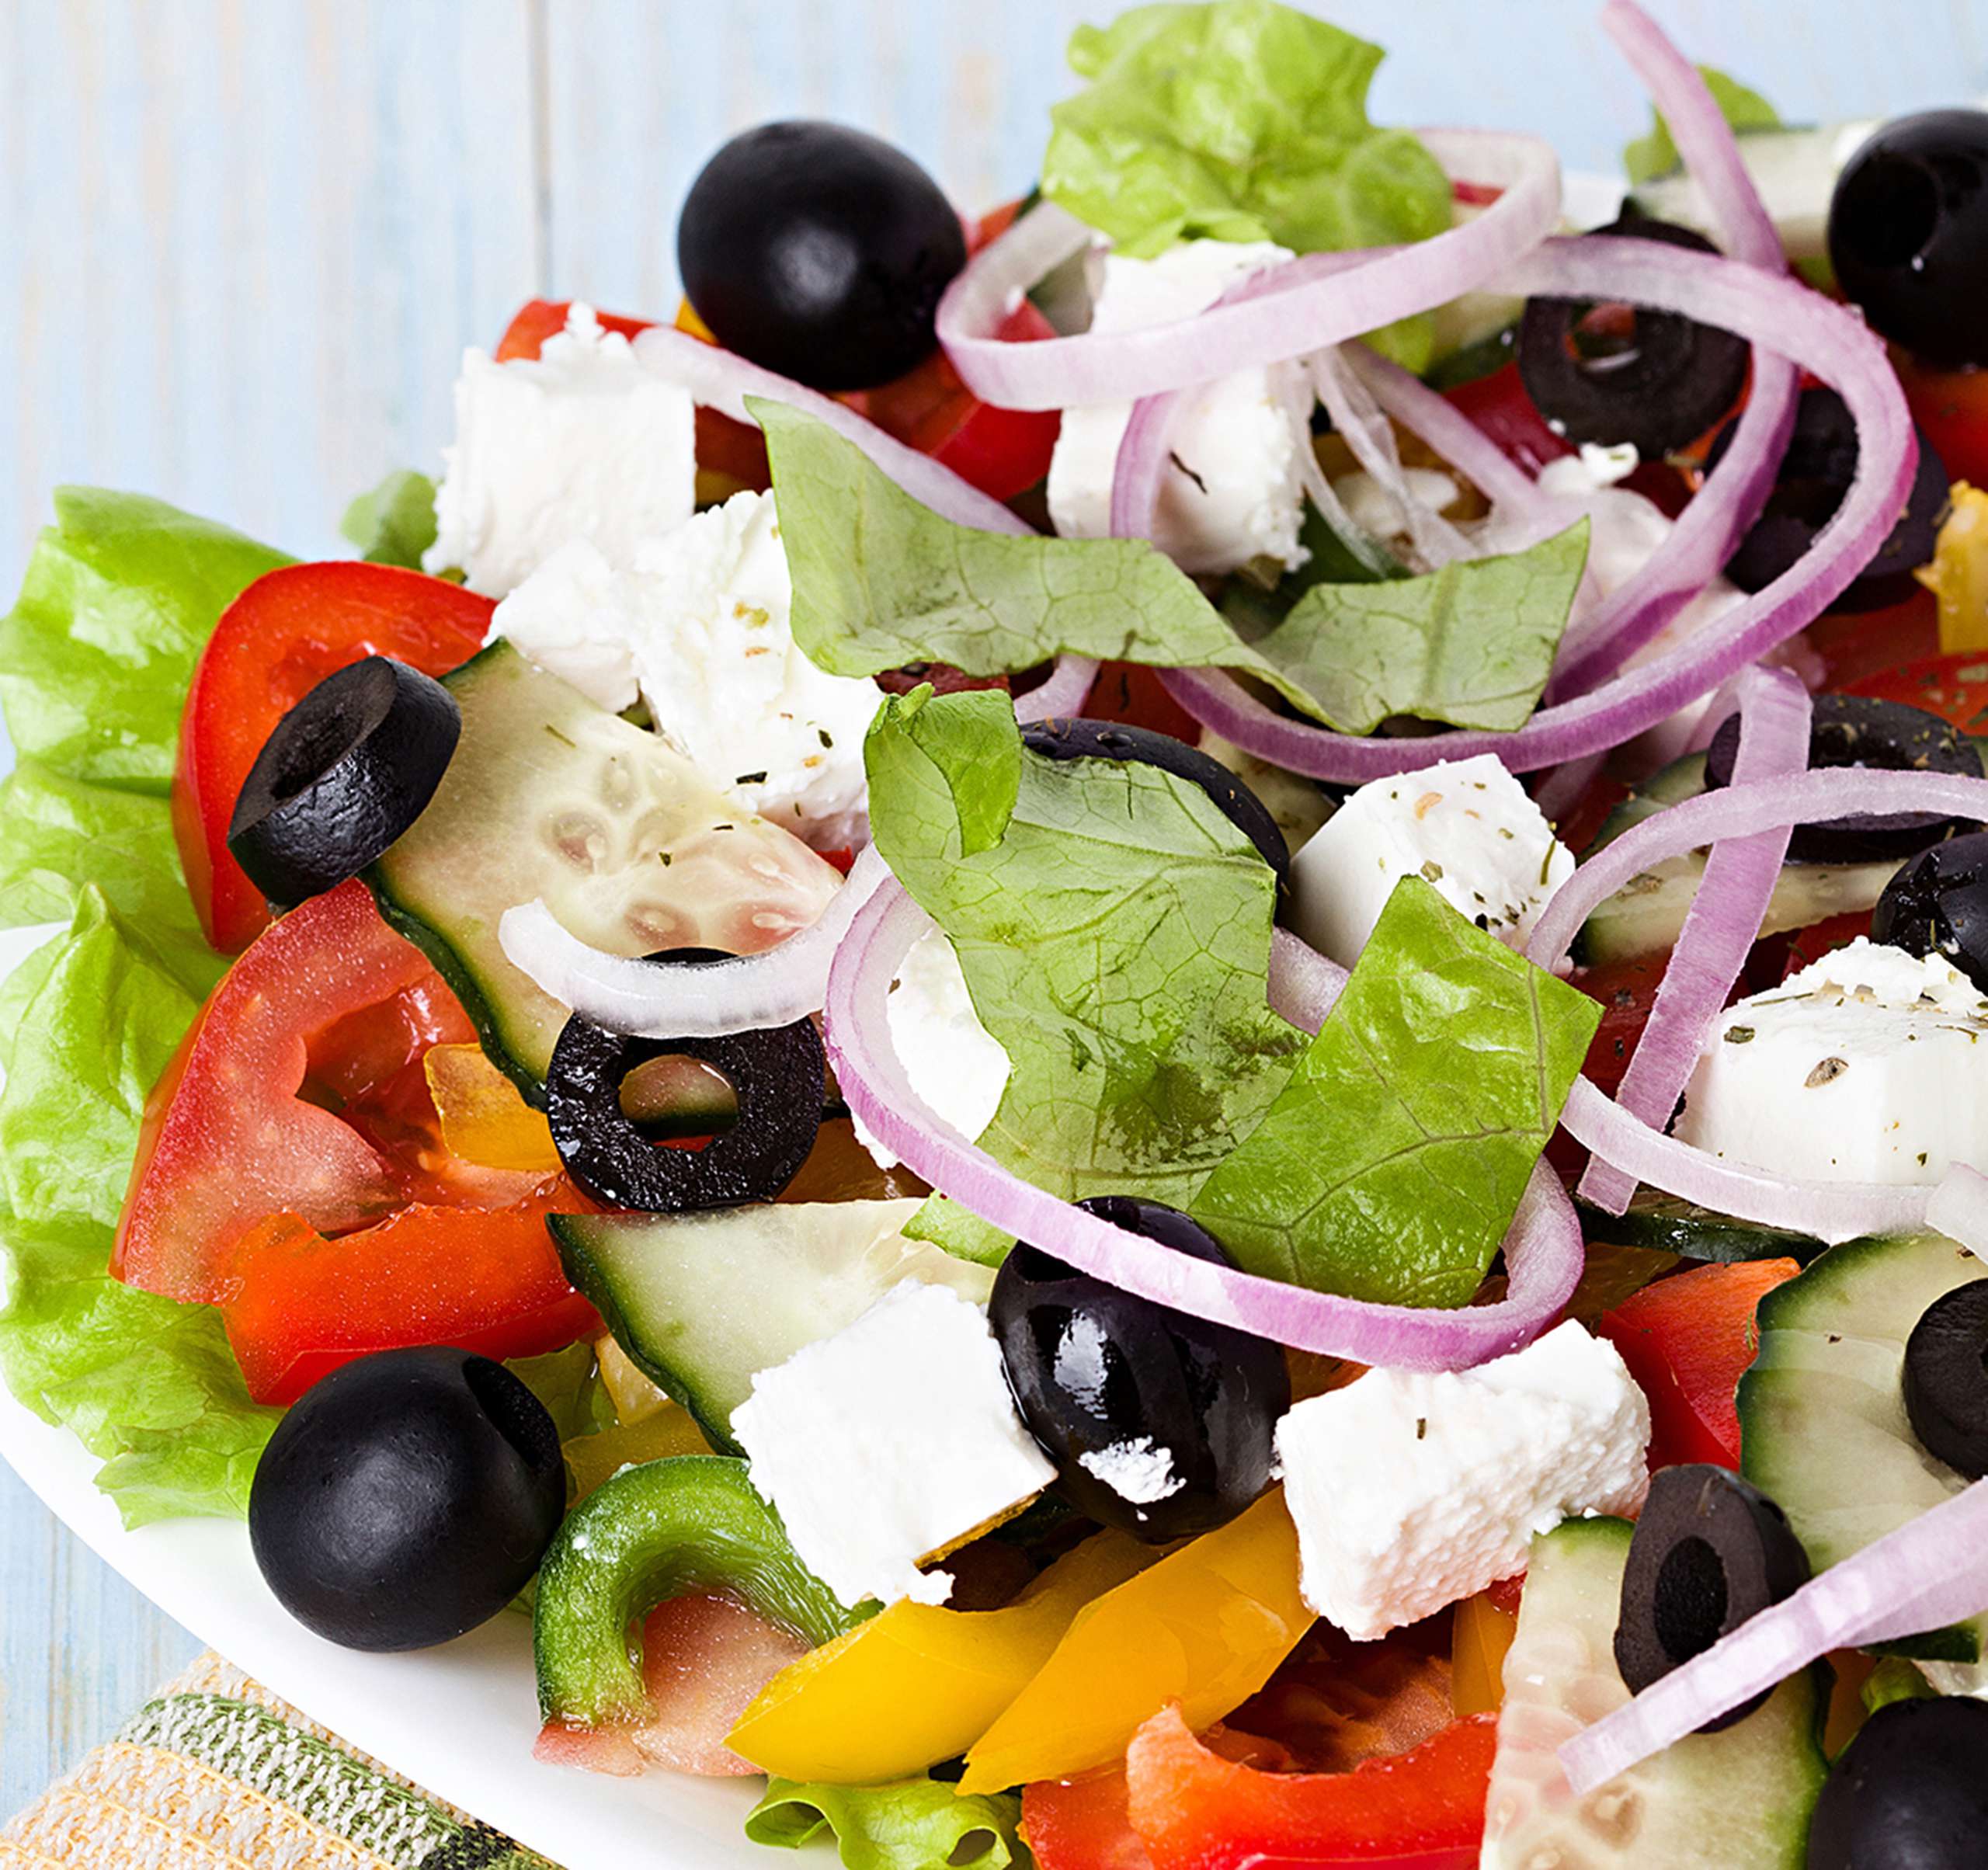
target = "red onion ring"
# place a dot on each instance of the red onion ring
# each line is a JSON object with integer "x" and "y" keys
{"x": 718, "y": 379}
{"x": 1062, "y": 693}
{"x": 1309, "y": 305}
{"x": 1959, "y": 1209}
{"x": 1720, "y": 927}
{"x": 1771, "y": 312}
{"x": 1450, "y": 433}
{"x": 1544, "y": 1254}
{"x": 1928, "y": 1573}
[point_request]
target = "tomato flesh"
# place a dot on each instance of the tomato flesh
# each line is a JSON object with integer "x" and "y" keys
{"x": 1688, "y": 1340}
{"x": 1950, "y": 407}
{"x": 284, "y": 634}
{"x": 1955, "y": 687}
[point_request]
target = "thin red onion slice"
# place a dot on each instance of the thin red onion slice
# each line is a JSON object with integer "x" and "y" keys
{"x": 696, "y": 1000}
{"x": 1140, "y": 467}
{"x": 1308, "y": 305}
{"x": 1544, "y": 1253}
{"x": 1720, "y": 928}
{"x": 1063, "y": 692}
{"x": 1732, "y": 498}
{"x": 1363, "y": 426}
{"x": 1959, "y": 1209}
{"x": 721, "y": 380}
{"x": 1771, "y": 312}
{"x": 1449, "y": 431}
{"x": 1930, "y": 1573}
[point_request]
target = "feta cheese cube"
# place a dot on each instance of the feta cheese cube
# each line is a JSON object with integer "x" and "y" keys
{"x": 954, "y": 1062}
{"x": 696, "y": 624}
{"x": 892, "y": 1439}
{"x": 1868, "y": 1065}
{"x": 1411, "y": 1490}
{"x": 1235, "y": 491}
{"x": 582, "y": 443}
{"x": 1467, "y": 826}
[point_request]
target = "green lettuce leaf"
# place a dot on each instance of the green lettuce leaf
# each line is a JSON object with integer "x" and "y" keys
{"x": 1240, "y": 120}
{"x": 879, "y": 581}
{"x": 1115, "y": 937}
{"x": 58, "y": 835}
{"x": 1655, "y": 153}
{"x": 913, "y": 1824}
{"x": 1392, "y": 1166}
{"x": 96, "y": 655}
{"x": 150, "y": 1386}
{"x": 395, "y": 523}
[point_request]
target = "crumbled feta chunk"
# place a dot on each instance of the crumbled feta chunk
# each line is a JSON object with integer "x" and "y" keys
{"x": 697, "y": 625}
{"x": 581, "y": 443}
{"x": 1139, "y": 1470}
{"x": 1411, "y": 1490}
{"x": 1466, "y": 826}
{"x": 1377, "y": 509}
{"x": 889, "y": 1441}
{"x": 1235, "y": 491}
{"x": 954, "y": 1062}
{"x": 1868, "y": 1065}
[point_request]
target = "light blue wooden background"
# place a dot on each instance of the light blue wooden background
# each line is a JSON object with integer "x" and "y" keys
{"x": 242, "y": 243}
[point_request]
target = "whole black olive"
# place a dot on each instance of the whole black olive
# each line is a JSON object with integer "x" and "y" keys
{"x": 1158, "y": 1424}
{"x": 1814, "y": 475}
{"x": 348, "y": 770}
{"x": 1937, "y": 904}
{"x": 777, "y": 1075}
{"x": 1660, "y": 385}
{"x": 1946, "y": 1378}
{"x": 1910, "y": 1793}
{"x": 1709, "y": 1551}
{"x": 820, "y": 252}
{"x": 1856, "y": 731}
{"x": 1064, "y": 738}
{"x": 1908, "y": 234}
{"x": 408, "y": 1497}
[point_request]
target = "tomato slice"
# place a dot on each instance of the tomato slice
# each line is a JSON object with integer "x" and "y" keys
{"x": 1500, "y": 406}
{"x": 1950, "y": 407}
{"x": 298, "y": 1306}
{"x": 1955, "y": 687}
{"x": 279, "y": 639}
{"x": 299, "y": 1090}
{"x": 1857, "y": 647}
{"x": 1197, "y": 1810}
{"x": 538, "y": 319}
{"x": 1131, "y": 693}
{"x": 1688, "y": 1340}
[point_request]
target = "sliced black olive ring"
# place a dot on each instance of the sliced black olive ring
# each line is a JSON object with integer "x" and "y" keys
{"x": 777, "y": 1075}
{"x": 348, "y": 770}
{"x": 1946, "y": 1378}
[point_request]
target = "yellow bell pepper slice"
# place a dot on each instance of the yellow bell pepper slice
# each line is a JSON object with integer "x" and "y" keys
{"x": 1480, "y": 1637}
{"x": 484, "y": 1120}
{"x": 1204, "y": 1627}
{"x": 918, "y": 1683}
{"x": 591, "y": 1460}
{"x": 1958, "y": 574}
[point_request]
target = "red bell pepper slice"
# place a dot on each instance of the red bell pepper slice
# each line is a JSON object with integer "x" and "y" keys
{"x": 1197, "y": 1810}
{"x": 298, "y": 1091}
{"x": 279, "y": 639}
{"x": 1688, "y": 1340}
{"x": 298, "y": 1306}
{"x": 1083, "y": 1824}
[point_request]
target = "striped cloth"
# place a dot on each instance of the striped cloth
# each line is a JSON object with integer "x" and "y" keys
{"x": 216, "y": 1774}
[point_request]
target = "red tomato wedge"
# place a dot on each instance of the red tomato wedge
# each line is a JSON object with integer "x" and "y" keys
{"x": 1955, "y": 687}
{"x": 1688, "y": 1340}
{"x": 1197, "y": 1810}
{"x": 279, "y": 639}
{"x": 298, "y": 1306}
{"x": 298, "y": 1091}
{"x": 1950, "y": 407}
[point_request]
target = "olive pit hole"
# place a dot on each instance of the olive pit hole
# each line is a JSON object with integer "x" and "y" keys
{"x": 1691, "y": 1599}
{"x": 1888, "y": 210}
{"x": 514, "y": 1412}
{"x": 675, "y": 1096}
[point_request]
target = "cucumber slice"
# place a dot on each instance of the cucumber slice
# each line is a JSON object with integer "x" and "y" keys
{"x": 1682, "y": 779}
{"x": 1794, "y": 169}
{"x": 703, "y": 1303}
{"x": 550, "y": 797}
{"x": 1737, "y": 1800}
{"x": 1662, "y": 1223}
{"x": 1821, "y": 1412}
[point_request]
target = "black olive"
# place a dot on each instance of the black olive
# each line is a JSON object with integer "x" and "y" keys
{"x": 1946, "y": 1378}
{"x": 820, "y": 252}
{"x": 1856, "y": 731}
{"x": 348, "y": 770}
{"x": 1910, "y": 1793}
{"x": 1937, "y": 904}
{"x": 1660, "y": 387}
{"x": 408, "y": 1497}
{"x": 777, "y": 1075}
{"x": 1709, "y": 1551}
{"x": 1179, "y": 1413}
{"x": 1064, "y": 738}
{"x": 1814, "y": 475}
{"x": 1909, "y": 234}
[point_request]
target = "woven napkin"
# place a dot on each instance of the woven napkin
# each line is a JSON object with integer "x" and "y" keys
{"x": 216, "y": 1774}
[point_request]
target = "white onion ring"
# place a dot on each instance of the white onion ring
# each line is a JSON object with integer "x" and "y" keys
{"x": 1544, "y": 1253}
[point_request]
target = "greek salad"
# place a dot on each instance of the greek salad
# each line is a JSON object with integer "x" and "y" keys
{"x": 1145, "y": 1033}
